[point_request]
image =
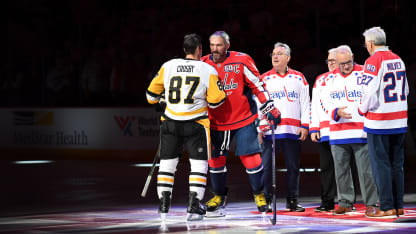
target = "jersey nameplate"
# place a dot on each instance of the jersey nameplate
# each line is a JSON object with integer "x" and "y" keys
{"x": 185, "y": 68}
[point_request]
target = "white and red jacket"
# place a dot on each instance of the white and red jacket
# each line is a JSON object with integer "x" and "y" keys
{"x": 343, "y": 90}
{"x": 319, "y": 121}
{"x": 385, "y": 86}
{"x": 290, "y": 93}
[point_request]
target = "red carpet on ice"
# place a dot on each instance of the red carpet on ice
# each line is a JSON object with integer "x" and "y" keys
{"x": 358, "y": 214}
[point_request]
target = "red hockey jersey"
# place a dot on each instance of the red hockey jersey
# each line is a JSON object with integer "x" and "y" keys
{"x": 240, "y": 79}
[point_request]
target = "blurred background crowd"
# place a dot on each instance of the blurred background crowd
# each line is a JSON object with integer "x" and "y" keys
{"x": 104, "y": 52}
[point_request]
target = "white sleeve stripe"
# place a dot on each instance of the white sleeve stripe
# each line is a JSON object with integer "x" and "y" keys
{"x": 254, "y": 79}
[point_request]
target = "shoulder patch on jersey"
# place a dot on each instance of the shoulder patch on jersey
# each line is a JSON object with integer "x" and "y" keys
{"x": 370, "y": 68}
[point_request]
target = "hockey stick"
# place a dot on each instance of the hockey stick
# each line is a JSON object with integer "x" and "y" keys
{"x": 160, "y": 107}
{"x": 150, "y": 176}
{"x": 273, "y": 220}
{"x": 152, "y": 169}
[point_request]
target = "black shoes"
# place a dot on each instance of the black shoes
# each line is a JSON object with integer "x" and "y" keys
{"x": 293, "y": 206}
{"x": 323, "y": 208}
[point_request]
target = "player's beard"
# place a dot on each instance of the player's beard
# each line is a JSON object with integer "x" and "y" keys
{"x": 218, "y": 56}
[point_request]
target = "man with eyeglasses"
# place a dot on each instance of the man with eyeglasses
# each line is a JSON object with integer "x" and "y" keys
{"x": 339, "y": 100}
{"x": 384, "y": 105}
{"x": 331, "y": 61}
{"x": 319, "y": 132}
{"x": 290, "y": 92}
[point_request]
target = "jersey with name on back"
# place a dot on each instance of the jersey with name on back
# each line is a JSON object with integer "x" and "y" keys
{"x": 190, "y": 86}
{"x": 384, "y": 103}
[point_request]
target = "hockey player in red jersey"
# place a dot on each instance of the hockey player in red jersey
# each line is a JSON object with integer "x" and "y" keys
{"x": 235, "y": 119}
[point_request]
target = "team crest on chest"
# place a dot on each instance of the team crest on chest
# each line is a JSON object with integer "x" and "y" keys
{"x": 229, "y": 85}
{"x": 228, "y": 82}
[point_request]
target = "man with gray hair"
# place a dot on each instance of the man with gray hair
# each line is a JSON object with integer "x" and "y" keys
{"x": 340, "y": 99}
{"x": 384, "y": 106}
{"x": 290, "y": 92}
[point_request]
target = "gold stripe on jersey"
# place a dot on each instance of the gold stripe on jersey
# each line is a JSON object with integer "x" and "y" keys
{"x": 156, "y": 86}
{"x": 214, "y": 96}
{"x": 188, "y": 113}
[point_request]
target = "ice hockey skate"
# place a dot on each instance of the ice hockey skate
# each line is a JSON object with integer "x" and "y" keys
{"x": 260, "y": 201}
{"x": 164, "y": 204}
{"x": 195, "y": 210}
{"x": 216, "y": 206}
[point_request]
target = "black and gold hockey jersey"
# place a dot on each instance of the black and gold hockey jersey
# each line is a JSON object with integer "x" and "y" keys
{"x": 189, "y": 86}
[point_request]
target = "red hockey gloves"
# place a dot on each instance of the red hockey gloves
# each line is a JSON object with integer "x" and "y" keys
{"x": 271, "y": 113}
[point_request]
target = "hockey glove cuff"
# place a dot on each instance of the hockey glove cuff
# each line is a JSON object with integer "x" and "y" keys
{"x": 271, "y": 113}
{"x": 161, "y": 105}
{"x": 263, "y": 125}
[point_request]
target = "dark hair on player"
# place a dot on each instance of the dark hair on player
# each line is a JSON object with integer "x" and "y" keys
{"x": 191, "y": 42}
